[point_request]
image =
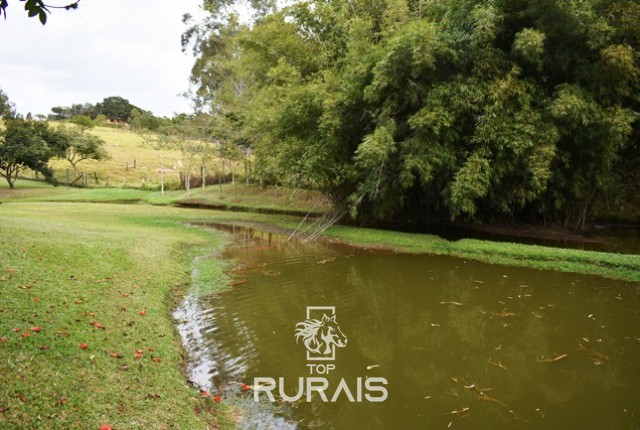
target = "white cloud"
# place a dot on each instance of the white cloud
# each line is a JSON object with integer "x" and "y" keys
{"x": 105, "y": 48}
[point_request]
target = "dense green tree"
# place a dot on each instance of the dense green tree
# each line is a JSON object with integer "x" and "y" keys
{"x": 83, "y": 121}
{"x": 28, "y": 144}
{"x": 144, "y": 120}
{"x": 7, "y": 108}
{"x": 457, "y": 109}
{"x": 116, "y": 108}
{"x": 66, "y": 112}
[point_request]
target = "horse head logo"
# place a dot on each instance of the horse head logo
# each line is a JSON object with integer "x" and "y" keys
{"x": 321, "y": 337}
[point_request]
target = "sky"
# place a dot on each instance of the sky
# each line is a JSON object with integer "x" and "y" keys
{"x": 126, "y": 48}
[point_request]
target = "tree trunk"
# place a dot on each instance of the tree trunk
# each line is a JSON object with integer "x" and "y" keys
{"x": 204, "y": 178}
{"x": 12, "y": 176}
{"x": 233, "y": 175}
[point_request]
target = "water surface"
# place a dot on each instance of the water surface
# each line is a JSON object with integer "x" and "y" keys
{"x": 462, "y": 344}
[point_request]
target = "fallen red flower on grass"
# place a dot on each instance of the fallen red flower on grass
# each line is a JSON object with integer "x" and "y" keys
{"x": 3, "y": 339}
{"x": 157, "y": 359}
{"x": 246, "y": 387}
{"x": 83, "y": 346}
{"x": 36, "y": 329}
{"x": 105, "y": 427}
{"x": 143, "y": 313}
{"x": 217, "y": 399}
{"x": 25, "y": 334}
{"x": 139, "y": 353}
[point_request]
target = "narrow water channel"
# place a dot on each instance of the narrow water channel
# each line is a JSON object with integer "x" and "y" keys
{"x": 460, "y": 344}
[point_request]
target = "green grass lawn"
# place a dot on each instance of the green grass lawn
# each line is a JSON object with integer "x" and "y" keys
{"x": 237, "y": 197}
{"x": 86, "y": 333}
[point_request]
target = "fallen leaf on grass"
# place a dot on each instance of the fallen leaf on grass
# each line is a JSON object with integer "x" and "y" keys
{"x": 25, "y": 334}
{"x": 3, "y": 339}
{"x": 139, "y": 353}
{"x": 125, "y": 295}
{"x": 16, "y": 330}
{"x": 143, "y": 313}
{"x": 105, "y": 427}
{"x": 36, "y": 329}
{"x": 83, "y": 346}
{"x": 97, "y": 325}
{"x": 156, "y": 359}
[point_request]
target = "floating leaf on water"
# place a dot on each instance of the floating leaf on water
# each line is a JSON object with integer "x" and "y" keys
{"x": 372, "y": 366}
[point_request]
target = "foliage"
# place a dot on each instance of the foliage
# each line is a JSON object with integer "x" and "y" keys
{"x": 28, "y": 144}
{"x": 417, "y": 111}
{"x": 67, "y": 112}
{"x": 83, "y": 121}
{"x": 115, "y": 107}
{"x": 144, "y": 120}
{"x": 81, "y": 145}
{"x": 7, "y": 108}
{"x": 37, "y": 8}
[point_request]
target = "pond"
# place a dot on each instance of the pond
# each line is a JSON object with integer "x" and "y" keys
{"x": 459, "y": 344}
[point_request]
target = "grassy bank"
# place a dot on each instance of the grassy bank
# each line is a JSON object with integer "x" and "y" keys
{"x": 87, "y": 336}
{"x": 609, "y": 265}
{"x": 252, "y": 199}
{"x": 239, "y": 197}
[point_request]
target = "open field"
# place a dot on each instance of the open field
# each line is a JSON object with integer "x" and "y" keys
{"x": 124, "y": 147}
{"x": 87, "y": 336}
{"x": 228, "y": 196}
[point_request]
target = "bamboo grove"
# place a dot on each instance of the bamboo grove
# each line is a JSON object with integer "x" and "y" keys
{"x": 423, "y": 110}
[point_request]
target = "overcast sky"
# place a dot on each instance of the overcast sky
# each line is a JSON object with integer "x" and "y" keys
{"x": 127, "y": 48}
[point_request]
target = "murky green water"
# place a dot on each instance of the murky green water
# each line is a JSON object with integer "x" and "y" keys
{"x": 462, "y": 344}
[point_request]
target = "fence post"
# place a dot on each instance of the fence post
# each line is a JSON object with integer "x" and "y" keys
{"x": 68, "y": 181}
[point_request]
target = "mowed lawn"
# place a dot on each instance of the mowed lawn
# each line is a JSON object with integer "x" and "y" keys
{"x": 86, "y": 333}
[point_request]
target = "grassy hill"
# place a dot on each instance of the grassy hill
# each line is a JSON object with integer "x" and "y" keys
{"x": 124, "y": 147}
